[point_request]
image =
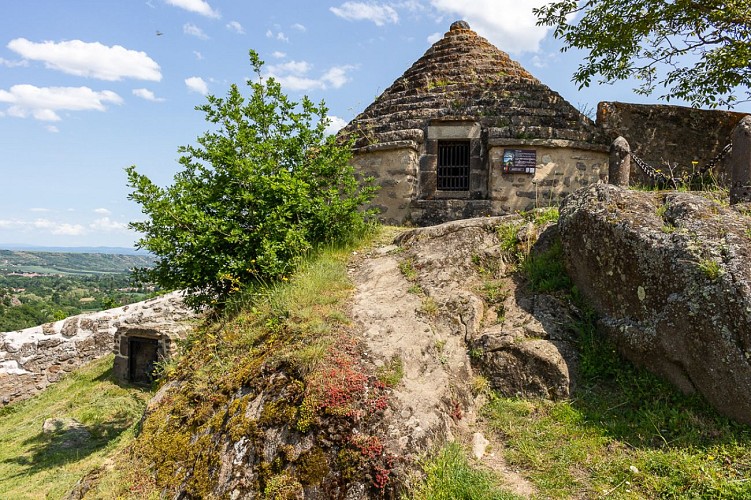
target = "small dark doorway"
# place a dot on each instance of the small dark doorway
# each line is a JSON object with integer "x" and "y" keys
{"x": 142, "y": 357}
{"x": 453, "y": 165}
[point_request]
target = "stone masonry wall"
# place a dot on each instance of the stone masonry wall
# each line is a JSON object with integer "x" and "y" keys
{"x": 394, "y": 169}
{"x": 33, "y": 358}
{"x": 562, "y": 167}
{"x": 559, "y": 171}
{"x": 661, "y": 134}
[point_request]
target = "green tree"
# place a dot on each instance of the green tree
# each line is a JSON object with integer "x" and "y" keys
{"x": 698, "y": 50}
{"x": 253, "y": 196}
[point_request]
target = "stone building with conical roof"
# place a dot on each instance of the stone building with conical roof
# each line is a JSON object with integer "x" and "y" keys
{"x": 468, "y": 132}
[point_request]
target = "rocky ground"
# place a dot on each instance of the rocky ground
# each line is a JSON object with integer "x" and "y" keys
{"x": 447, "y": 302}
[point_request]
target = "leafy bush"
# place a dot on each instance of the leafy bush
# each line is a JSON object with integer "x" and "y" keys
{"x": 257, "y": 193}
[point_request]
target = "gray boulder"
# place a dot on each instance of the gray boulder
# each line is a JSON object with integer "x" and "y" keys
{"x": 670, "y": 275}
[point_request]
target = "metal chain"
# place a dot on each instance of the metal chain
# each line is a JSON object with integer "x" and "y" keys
{"x": 649, "y": 170}
{"x": 659, "y": 177}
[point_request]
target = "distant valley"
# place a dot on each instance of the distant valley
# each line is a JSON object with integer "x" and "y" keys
{"x": 37, "y": 287}
{"x": 70, "y": 262}
{"x": 36, "y": 248}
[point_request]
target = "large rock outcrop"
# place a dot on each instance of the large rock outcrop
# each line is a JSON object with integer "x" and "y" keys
{"x": 522, "y": 342}
{"x": 430, "y": 310}
{"x": 670, "y": 275}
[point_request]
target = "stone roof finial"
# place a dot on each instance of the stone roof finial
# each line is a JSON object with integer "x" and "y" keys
{"x": 459, "y": 25}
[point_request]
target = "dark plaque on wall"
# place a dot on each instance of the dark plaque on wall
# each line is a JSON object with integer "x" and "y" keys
{"x": 519, "y": 161}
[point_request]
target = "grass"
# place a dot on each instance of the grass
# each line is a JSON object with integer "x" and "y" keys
{"x": 541, "y": 216}
{"x": 625, "y": 433}
{"x": 429, "y": 306}
{"x": 38, "y": 465}
{"x": 407, "y": 268}
{"x": 297, "y": 329}
{"x": 507, "y": 234}
{"x": 450, "y": 476}
{"x": 545, "y": 271}
{"x": 392, "y": 372}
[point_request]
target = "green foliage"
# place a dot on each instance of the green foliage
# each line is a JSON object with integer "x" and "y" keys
{"x": 711, "y": 269}
{"x": 392, "y": 372}
{"x": 31, "y": 299}
{"x": 254, "y": 196}
{"x": 698, "y": 51}
{"x": 507, "y": 233}
{"x": 407, "y": 268}
{"x": 449, "y": 476}
{"x": 546, "y": 271}
{"x": 541, "y": 216}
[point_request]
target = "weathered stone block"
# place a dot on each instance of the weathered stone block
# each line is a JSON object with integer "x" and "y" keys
{"x": 678, "y": 302}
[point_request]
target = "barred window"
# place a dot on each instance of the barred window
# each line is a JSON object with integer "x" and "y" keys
{"x": 453, "y": 165}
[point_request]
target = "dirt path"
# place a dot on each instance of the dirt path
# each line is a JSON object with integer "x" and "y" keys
{"x": 424, "y": 321}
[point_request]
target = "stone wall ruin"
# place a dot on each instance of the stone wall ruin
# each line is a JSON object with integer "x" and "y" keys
{"x": 33, "y": 358}
{"x": 686, "y": 138}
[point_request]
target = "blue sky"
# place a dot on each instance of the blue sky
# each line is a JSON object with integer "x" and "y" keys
{"x": 89, "y": 87}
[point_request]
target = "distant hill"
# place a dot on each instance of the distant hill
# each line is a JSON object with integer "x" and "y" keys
{"x": 110, "y": 250}
{"x": 49, "y": 262}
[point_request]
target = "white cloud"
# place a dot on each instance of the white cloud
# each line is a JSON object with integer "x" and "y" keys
{"x": 435, "y": 37}
{"x": 66, "y": 229}
{"x": 13, "y": 64}
{"x": 279, "y": 55}
{"x": 39, "y": 209}
{"x": 293, "y": 75}
{"x": 335, "y": 124}
{"x": 102, "y": 211}
{"x": 409, "y": 5}
{"x": 193, "y": 30}
{"x": 236, "y": 27}
{"x": 92, "y": 60}
{"x": 108, "y": 225}
{"x": 510, "y": 25}
{"x": 279, "y": 36}
{"x": 45, "y": 225}
{"x": 198, "y": 55}
{"x": 296, "y": 67}
{"x": 147, "y": 94}
{"x": 379, "y": 14}
{"x": 299, "y": 27}
{"x": 198, "y": 6}
{"x": 43, "y": 102}
{"x": 52, "y": 129}
{"x": 336, "y": 76}
{"x": 197, "y": 84}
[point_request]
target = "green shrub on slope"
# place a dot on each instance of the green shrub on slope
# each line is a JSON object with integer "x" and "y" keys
{"x": 255, "y": 194}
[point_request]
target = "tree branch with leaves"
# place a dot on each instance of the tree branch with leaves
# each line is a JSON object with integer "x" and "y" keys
{"x": 696, "y": 50}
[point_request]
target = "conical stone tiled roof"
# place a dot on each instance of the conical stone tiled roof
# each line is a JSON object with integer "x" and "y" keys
{"x": 463, "y": 76}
